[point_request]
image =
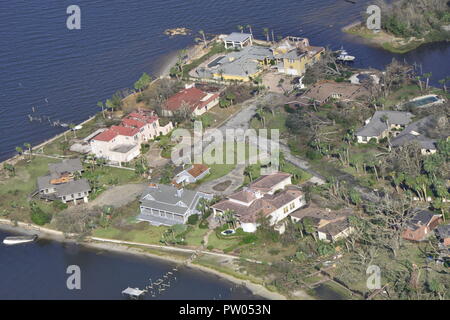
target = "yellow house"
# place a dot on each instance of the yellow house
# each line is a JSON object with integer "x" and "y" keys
{"x": 294, "y": 55}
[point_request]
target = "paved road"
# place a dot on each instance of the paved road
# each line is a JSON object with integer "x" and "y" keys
{"x": 241, "y": 120}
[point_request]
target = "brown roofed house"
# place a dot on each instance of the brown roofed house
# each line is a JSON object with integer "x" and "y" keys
{"x": 421, "y": 224}
{"x": 270, "y": 196}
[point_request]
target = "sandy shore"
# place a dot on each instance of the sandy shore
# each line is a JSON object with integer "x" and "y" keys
{"x": 50, "y": 234}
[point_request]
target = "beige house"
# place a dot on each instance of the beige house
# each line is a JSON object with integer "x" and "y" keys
{"x": 270, "y": 196}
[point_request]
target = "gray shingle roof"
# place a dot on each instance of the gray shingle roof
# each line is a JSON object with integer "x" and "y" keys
{"x": 64, "y": 189}
{"x": 166, "y": 198}
{"x": 416, "y": 132}
{"x": 245, "y": 61}
{"x": 443, "y": 231}
{"x": 67, "y": 165}
{"x": 73, "y": 187}
{"x": 377, "y": 126}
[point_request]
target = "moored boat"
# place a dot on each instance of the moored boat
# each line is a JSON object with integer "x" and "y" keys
{"x": 342, "y": 55}
{"x": 19, "y": 239}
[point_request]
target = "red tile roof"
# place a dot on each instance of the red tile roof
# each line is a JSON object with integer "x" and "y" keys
{"x": 140, "y": 116}
{"x": 132, "y": 123}
{"x": 191, "y": 96}
{"x": 197, "y": 169}
{"x": 106, "y": 135}
{"x": 125, "y": 131}
{"x": 114, "y": 131}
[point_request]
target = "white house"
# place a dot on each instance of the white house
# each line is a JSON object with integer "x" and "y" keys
{"x": 191, "y": 175}
{"x": 238, "y": 40}
{"x": 122, "y": 143}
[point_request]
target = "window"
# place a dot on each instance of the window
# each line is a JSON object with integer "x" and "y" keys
{"x": 286, "y": 209}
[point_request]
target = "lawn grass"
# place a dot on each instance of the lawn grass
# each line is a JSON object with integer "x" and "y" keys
{"x": 145, "y": 233}
{"x": 195, "y": 236}
{"x": 14, "y": 191}
{"x": 222, "y": 244}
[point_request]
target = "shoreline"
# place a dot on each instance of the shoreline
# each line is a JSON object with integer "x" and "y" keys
{"x": 54, "y": 235}
{"x": 386, "y": 41}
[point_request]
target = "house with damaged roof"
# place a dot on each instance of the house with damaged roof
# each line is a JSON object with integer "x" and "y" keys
{"x": 62, "y": 183}
{"x": 293, "y": 55}
{"x": 271, "y": 197}
{"x": 382, "y": 124}
{"x": 421, "y": 225}
{"x": 417, "y": 132}
{"x": 330, "y": 225}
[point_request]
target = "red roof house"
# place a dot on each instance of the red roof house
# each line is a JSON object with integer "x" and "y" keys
{"x": 197, "y": 100}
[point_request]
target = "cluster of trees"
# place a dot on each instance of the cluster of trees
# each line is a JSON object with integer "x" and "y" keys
{"x": 142, "y": 82}
{"x": 414, "y": 18}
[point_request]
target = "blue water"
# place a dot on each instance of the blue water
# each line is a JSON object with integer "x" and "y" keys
{"x": 38, "y": 271}
{"x": 73, "y": 69}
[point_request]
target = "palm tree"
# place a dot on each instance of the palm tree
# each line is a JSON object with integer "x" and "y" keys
{"x": 266, "y": 33}
{"x": 385, "y": 119}
{"x": 428, "y": 76}
{"x": 28, "y": 146}
{"x": 419, "y": 80}
{"x": 443, "y": 82}
{"x": 202, "y": 33}
{"x": 240, "y": 28}
{"x": 101, "y": 105}
{"x": 260, "y": 114}
{"x": 248, "y": 172}
{"x": 19, "y": 150}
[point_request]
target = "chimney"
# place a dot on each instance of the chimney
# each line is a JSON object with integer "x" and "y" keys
{"x": 179, "y": 192}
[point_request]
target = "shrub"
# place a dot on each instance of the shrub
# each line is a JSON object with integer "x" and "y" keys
{"x": 39, "y": 217}
{"x": 193, "y": 219}
{"x": 210, "y": 247}
{"x": 59, "y": 205}
{"x": 203, "y": 224}
{"x": 313, "y": 155}
{"x": 249, "y": 238}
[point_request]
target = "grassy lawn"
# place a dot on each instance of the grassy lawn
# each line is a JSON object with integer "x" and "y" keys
{"x": 195, "y": 236}
{"x": 106, "y": 175}
{"x": 143, "y": 233}
{"x": 272, "y": 121}
{"x": 222, "y": 244}
{"x": 15, "y": 190}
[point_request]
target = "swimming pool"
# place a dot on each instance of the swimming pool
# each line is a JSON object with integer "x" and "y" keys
{"x": 423, "y": 101}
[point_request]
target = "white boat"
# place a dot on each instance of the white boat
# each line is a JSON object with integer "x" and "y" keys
{"x": 344, "y": 56}
{"x": 19, "y": 239}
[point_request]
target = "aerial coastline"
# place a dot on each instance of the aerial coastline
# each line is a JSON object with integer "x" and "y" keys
{"x": 91, "y": 186}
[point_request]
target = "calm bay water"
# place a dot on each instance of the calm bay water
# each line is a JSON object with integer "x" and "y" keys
{"x": 38, "y": 271}
{"x": 64, "y": 73}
